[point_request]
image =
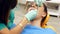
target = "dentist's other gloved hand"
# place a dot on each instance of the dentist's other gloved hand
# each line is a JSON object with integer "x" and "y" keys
{"x": 39, "y": 2}
{"x": 31, "y": 14}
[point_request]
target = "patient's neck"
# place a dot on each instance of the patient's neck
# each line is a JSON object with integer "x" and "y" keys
{"x": 36, "y": 22}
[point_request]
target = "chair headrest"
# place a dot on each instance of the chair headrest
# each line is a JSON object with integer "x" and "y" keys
{"x": 46, "y": 20}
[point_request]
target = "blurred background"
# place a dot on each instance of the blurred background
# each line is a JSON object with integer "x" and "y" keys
{"x": 53, "y": 10}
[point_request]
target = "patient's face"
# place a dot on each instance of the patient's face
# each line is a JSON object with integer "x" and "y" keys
{"x": 40, "y": 10}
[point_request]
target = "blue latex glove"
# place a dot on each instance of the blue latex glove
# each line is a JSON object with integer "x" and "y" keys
{"x": 39, "y": 2}
{"x": 31, "y": 15}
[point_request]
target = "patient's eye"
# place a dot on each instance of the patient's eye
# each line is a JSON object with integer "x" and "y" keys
{"x": 36, "y": 5}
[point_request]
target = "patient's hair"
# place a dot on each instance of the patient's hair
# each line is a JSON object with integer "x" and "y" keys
{"x": 5, "y": 7}
{"x": 45, "y": 10}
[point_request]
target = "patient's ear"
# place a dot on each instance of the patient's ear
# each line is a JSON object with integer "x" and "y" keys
{"x": 43, "y": 14}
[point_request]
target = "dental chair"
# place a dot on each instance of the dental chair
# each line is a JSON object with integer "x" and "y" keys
{"x": 45, "y": 23}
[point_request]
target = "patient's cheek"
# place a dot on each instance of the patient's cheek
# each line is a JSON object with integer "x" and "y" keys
{"x": 40, "y": 12}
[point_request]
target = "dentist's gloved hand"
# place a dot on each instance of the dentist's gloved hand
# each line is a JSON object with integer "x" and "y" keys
{"x": 39, "y": 2}
{"x": 31, "y": 15}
